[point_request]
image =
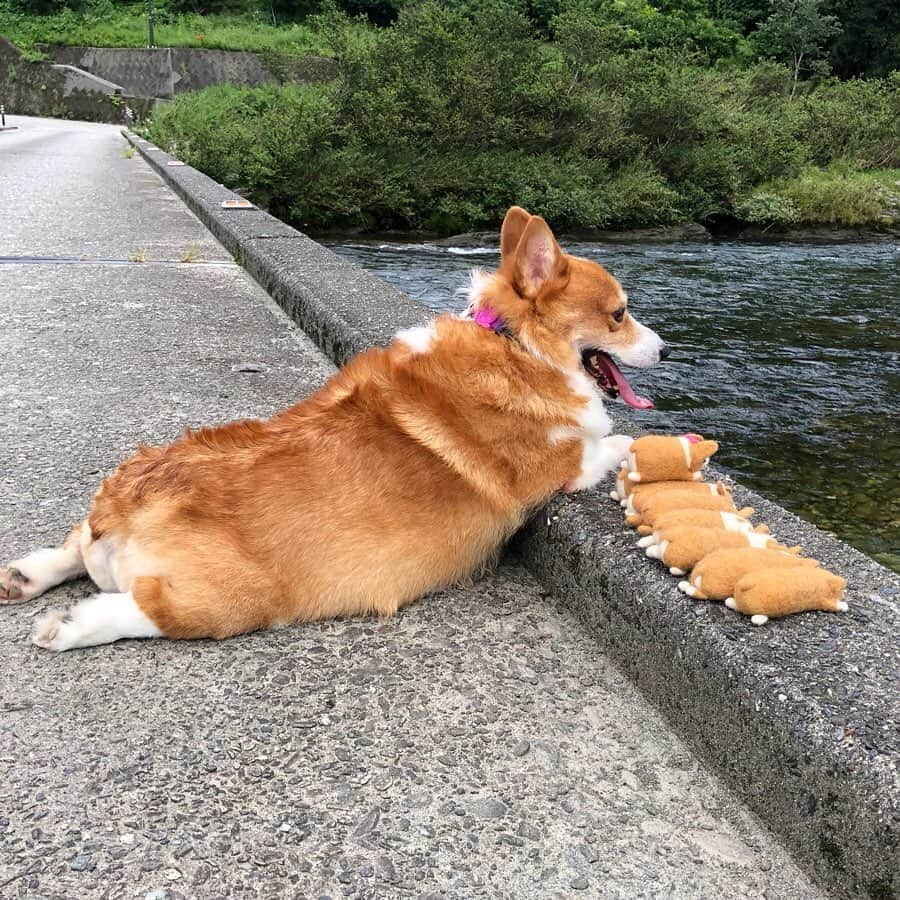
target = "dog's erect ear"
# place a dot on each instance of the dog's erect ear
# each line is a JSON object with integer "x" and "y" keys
{"x": 538, "y": 257}
{"x": 511, "y": 231}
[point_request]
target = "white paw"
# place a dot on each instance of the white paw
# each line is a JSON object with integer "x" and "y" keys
{"x": 674, "y": 570}
{"x": 52, "y": 631}
{"x": 759, "y": 620}
{"x": 619, "y": 445}
{"x": 647, "y": 541}
{"x": 15, "y": 585}
{"x": 687, "y": 588}
{"x": 842, "y": 606}
{"x": 730, "y": 603}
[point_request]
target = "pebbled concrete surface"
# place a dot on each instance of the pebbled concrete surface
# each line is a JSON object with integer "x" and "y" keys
{"x": 478, "y": 745}
{"x": 801, "y": 716}
{"x": 58, "y": 188}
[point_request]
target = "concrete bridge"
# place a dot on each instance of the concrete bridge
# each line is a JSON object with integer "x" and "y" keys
{"x": 488, "y": 742}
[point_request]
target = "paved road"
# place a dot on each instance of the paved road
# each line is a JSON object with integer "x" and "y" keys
{"x": 477, "y": 745}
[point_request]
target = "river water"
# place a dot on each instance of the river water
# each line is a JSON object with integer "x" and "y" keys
{"x": 788, "y": 355}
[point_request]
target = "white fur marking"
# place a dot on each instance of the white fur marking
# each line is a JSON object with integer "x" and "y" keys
{"x": 842, "y": 606}
{"x": 674, "y": 570}
{"x": 759, "y": 620}
{"x": 418, "y": 339}
{"x": 758, "y": 540}
{"x": 47, "y": 568}
{"x": 478, "y": 283}
{"x": 565, "y": 433}
{"x": 687, "y": 588}
{"x": 686, "y": 447}
{"x": 735, "y": 523}
{"x": 101, "y": 619}
{"x": 100, "y": 560}
{"x": 644, "y": 352}
{"x": 648, "y": 541}
{"x": 730, "y": 603}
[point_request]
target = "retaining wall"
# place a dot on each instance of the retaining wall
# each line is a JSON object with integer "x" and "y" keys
{"x": 802, "y": 716}
{"x": 166, "y": 71}
{"x": 44, "y": 89}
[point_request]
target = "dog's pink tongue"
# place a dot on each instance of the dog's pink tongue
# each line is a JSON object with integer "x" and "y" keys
{"x": 625, "y": 392}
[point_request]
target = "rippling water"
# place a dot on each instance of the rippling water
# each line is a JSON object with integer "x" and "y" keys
{"x": 786, "y": 354}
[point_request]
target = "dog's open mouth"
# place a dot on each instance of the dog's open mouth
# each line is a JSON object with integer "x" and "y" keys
{"x": 606, "y": 373}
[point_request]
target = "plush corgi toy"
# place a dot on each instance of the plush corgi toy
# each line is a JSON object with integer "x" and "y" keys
{"x": 770, "y": 593}
{"x": 642, "y": 494}
{"x": 716, "y": 575}
{"x": 680, "y": 549}
{"x": 623, "y": 486}
{"x": 678, "y": 500}
{"x": 658, "y": 457}
{"x": 697, "y": 518}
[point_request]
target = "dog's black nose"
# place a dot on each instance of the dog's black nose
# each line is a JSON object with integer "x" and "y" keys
{"x": 664, "y": 351}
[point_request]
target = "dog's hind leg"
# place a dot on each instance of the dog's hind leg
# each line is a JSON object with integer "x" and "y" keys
{"x": 26, "y": 578}
{"x": 101, "y": 619}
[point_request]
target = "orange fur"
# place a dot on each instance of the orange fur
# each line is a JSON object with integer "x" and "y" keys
{"x": 683, "y": 547}
{"x": 657, "y": 457}
{"x": 715, "y": 576}
{"x": 772, "y": 593}
{"x": 700, "y": 518}
{"x": 404, "y": 473}
{"x": 670, "y": 500}
{"x": 642, "y": 495}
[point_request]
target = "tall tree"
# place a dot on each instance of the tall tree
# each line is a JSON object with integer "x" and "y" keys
{"x": 796, "y": 31}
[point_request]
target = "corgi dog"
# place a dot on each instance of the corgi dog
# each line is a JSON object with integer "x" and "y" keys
{"x": 402, "y": 475}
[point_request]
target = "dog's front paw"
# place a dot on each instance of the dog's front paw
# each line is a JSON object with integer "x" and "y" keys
{"x": 619, "y": 445}
{"x": 14, "y": 585}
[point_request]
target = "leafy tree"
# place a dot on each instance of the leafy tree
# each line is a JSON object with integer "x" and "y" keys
{"x": 796, "y": 32}
{"x": 870, "y": 41}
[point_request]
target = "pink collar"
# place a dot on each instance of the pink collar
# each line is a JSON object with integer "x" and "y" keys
{"x": 490, "y": 319}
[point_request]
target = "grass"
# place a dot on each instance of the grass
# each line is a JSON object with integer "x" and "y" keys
{"x": 190, "y": 255}
{"x": 128, "y": 152}
{"x": 126, "y": 26}
{"x": 138, "y": 255}
{"x": 837, "y": 196}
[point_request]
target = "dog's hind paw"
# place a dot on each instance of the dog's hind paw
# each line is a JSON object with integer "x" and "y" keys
{"x": 14, "y": 585}
{"x": 50, "y": 630}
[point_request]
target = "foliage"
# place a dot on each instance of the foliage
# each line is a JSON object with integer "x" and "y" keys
{"x": 796, "y": 32}
{"x": 835, "y": 197}
{"x": 765, "y": 207}
{"x": 449, "y": 116}
{"x": 869, "y": 42}
{"x": 855, "y": 120}
{"x": 102, "y": 24}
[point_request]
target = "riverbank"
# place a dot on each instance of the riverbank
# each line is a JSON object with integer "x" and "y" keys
{"x": 418, "y": 134}
{"x": 671, "y": 234}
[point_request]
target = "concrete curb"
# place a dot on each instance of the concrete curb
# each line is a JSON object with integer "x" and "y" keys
{"x": 801, "y": 716}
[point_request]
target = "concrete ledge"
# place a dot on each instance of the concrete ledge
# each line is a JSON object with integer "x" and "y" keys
{"x": 801, "y": 716}
{"x": 343, "y": 308}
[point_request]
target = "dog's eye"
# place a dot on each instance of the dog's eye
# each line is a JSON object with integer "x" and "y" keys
{"x": 619, "y": 314}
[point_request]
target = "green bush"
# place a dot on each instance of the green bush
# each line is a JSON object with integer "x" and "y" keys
{"x": 854, "y": 120}
{"x": 452, "y": 114}
{"x": 765, "y": 207}
{"x": 835, "y": 198}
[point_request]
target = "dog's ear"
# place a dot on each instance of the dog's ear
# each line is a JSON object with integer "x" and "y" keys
{"x": 538, "y": 257}
{"x": 511, "y": 230}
